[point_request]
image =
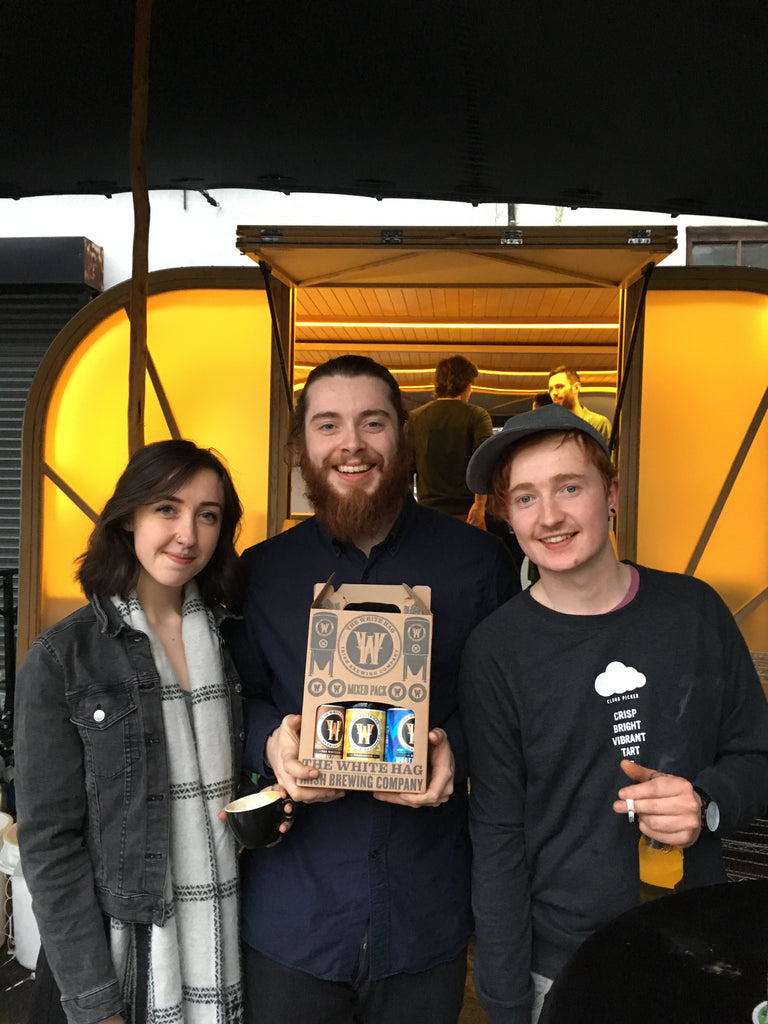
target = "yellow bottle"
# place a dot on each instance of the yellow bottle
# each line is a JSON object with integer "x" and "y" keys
{"x": 661, "y": 868}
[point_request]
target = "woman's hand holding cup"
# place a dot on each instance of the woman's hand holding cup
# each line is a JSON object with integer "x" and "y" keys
{"x": 260, "y": 819}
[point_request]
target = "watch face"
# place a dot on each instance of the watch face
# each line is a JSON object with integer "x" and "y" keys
{"x": 713, "y": 816}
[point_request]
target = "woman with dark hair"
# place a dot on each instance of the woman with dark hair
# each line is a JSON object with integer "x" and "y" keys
{"x": 128, "y": 725}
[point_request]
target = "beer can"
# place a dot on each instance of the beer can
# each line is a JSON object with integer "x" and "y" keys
{"x": 329, "y": 730}
{"x": 365, "y": 729}
{"x": 399, "y": 747}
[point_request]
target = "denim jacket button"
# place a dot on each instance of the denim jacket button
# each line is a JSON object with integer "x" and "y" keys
{"x": 99, "y": 715}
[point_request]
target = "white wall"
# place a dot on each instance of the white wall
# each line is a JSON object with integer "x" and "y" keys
{"x": 185, "y": 230}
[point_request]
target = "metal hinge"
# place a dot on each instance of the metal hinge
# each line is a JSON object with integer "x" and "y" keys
{"x": 512, "y": 237}
{"x": 641, "y": 237}
{"x": 392, "y": 236}
{"x": 271, "y": 235}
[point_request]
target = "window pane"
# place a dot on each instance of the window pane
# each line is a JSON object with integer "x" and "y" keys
{"x": 754, "y": 254}
{"x": 713, "y": 254}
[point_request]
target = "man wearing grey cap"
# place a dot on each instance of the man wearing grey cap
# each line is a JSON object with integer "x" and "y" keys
{"x": 606, "y": 702}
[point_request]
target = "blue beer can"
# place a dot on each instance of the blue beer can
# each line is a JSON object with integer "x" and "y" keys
{"x": 400, "y": 725}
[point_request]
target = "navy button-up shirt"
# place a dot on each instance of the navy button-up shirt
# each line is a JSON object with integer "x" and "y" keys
{"x": 359, "y": 870}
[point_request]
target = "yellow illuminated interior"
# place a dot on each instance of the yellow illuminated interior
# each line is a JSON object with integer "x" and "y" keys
{"x": 212, "y": 352}
{"x": 473, "y": 325}
{"x": 691, "y": 430}
{"x": 429, "y": 371}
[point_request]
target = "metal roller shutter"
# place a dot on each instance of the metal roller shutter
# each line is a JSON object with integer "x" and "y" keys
{"x": 30, "y": 318}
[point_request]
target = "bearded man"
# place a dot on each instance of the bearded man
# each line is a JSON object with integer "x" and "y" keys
{"x": 362, "y": 913}
{"x": 564, "y": 386}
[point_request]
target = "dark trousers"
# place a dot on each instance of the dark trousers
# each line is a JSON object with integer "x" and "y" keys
{"x": 45, "y": 1000}
{"x": 281, "y": 995}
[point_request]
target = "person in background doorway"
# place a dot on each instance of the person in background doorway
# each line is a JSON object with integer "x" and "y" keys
{"x": 362, "y": 915}
{"x": 128, "y": 730}
{"x": 444, "y": 433}
{"x": 564, "y": 387}
{"x": 649, "y": 695}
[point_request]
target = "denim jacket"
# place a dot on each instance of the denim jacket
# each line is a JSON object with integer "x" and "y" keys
{"x": 92, "y": 793}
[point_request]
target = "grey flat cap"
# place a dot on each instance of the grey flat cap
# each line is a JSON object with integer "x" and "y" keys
{"x": 549, "y": 417}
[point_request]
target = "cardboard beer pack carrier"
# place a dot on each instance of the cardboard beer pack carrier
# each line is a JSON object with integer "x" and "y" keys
{"x": 368, "y": 644}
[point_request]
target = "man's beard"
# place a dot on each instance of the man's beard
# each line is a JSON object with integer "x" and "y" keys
{"x": 569, "y": 401}
{"x": 357, "y": 515}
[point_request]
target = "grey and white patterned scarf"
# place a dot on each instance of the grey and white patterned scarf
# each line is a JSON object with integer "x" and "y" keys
{"x": 193, "y": 959}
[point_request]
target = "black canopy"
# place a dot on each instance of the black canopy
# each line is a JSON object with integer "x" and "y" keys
{"x": 654, "y": 106}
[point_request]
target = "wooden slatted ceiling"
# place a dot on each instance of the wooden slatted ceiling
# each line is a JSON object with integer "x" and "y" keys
{"x": 349, "y": 286}
{"x": 402, "y": 348}
{"x": 352, "y": 303}
{"x": 479, "y": 339}
{"x": 410, "y": 368}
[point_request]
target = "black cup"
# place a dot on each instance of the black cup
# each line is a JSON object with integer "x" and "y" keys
{"x": 256, "y": 819}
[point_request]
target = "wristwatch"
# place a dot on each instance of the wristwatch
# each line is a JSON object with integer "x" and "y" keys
{"x": 710, "y": 812}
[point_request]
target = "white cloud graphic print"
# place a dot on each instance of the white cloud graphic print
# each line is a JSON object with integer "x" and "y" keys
{"x": 618, "y": 678}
